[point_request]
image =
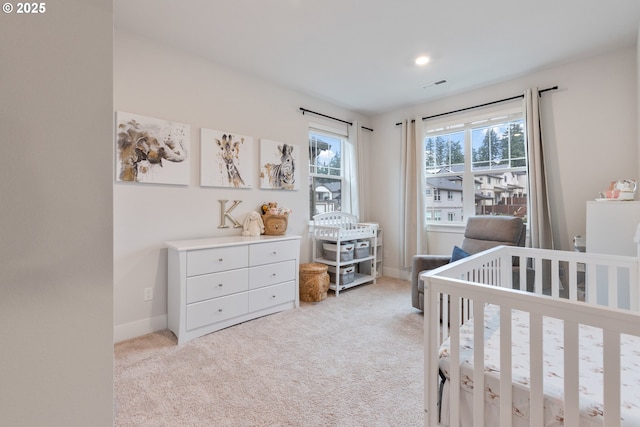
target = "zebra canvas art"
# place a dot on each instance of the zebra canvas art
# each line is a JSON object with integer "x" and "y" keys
{"x": 278, "y": 165}
{"x": 226, "y": 159}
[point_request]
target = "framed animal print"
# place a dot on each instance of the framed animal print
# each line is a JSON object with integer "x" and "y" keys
{"x": 226, "y": 159}
{"x": 278, "y": 169}
{"x": 150, "y": 150}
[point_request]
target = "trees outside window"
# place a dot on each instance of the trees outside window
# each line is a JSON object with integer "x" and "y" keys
{"x": 484, "y": 159}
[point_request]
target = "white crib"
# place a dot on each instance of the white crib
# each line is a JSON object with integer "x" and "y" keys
{"x": 564, "y": 353}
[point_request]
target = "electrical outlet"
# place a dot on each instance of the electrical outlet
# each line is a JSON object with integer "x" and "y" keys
{"x": 148, "y": 294}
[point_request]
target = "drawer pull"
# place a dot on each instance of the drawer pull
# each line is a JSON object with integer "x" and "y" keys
{"x": 220, "y": 259}
{"x": 273, "y": 297}
{"x": 219, "y": 310}
{"x": 220, "y": 285}
{"x": 274, "y": 253}
{"x": 273, "y": 274}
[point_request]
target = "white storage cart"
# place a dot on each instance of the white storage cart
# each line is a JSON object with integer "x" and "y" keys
{"x": 347, "y": 247}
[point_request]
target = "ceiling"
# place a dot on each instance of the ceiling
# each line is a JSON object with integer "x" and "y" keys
{"x": 359, "y": 54}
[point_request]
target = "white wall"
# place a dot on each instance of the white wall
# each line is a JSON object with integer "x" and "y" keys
{"x": 56, "y": 258}
{"x": 158, "y": 81}
{"x": 590, "y": 131}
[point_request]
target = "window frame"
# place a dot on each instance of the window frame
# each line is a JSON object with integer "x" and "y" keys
{"x": 466, "y": 123}
{"x": 332, "y": 134}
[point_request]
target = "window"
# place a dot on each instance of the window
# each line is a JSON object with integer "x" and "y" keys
{"x": 480, "y": 160}
{"x": 325, "y": 172}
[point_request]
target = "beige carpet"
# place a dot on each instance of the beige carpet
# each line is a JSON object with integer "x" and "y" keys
{"x": 355, "y": 360}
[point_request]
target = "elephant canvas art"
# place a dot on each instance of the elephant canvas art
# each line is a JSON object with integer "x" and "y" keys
{"x": 150, "y": 150}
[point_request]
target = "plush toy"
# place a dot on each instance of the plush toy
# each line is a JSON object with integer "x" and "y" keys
{"x": 253, "y": 225}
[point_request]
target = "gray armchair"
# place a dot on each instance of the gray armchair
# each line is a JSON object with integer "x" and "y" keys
{"x": 481, "y": 233}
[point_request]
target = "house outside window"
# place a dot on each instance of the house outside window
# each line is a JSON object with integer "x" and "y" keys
{"x": 326, "y": 172}
{"x": 482, "y": 156}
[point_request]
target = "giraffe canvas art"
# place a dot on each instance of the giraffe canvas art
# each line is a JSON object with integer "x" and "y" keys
{"x": 226, "y": 159}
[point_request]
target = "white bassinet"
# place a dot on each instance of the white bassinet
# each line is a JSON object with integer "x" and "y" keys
{"x": 564, "y": 353}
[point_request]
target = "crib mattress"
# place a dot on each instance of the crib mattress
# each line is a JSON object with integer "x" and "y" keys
{"x": 591, "y": 377}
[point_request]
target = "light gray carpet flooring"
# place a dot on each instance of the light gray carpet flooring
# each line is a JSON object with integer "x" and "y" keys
{"x": 354, "y": 360}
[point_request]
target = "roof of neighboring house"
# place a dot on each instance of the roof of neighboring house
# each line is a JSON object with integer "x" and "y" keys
{"x": 444, "y": 184}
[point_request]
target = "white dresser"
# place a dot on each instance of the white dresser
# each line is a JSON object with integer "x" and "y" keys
{"x": 219, "y": 282}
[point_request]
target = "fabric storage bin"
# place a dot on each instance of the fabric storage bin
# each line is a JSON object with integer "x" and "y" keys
{"x": 347, "y": 274}
{"x": 346, "y": 251}
{"x": 361, "y": 249}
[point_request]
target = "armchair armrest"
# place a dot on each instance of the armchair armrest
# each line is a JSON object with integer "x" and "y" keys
{"x": 423, "y": 263}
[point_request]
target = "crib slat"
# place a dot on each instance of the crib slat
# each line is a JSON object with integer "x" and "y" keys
{"x": 454, "y": 369}
{"x": 478, "y": 361}
{"x": 535, "y": 368}
{"x": 506, "y": 398}
{"x": 555, "y": 278}
{"x": 444, "y": 315}
{"x": 537, "y": 288}
{"x": 591, "y": 285}
{"x": 573, "y": 281}
{"x": 613, "y": 286}
{"x": 611, "y": 386}
{"x": 634, "y": 296}
{"x": 571, "y": 372}
{"x": 523, "y": 273}
{"x": 432, "y": 336}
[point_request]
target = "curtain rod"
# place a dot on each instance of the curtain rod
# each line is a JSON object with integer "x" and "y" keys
{"x": 304, "y": 110}
{"x": 540, "y": 92}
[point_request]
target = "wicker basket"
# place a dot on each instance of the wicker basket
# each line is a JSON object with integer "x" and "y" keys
{"x": 314, "y": 282}
{"x": 275, "y": 225}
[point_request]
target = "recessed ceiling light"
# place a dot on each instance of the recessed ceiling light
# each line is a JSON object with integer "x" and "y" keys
{"x": 422, "y": 60}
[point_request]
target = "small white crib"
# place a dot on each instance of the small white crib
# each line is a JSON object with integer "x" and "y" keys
{"x": 565, "y": 352}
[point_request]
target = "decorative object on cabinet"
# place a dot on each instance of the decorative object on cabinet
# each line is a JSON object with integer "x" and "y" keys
{"x": 226, "y": 214}
{"x": 623, "y": 189}
{"x": 150, "y": 150}
{"x": 226, "y": 159}
{"x": 219, "y": 282}
{"x": 253, "y": 225}
{"x": 335, "y": 238}
{"x": 278, "y": 165}
{"x": 275, "y": 219}
{"x": 275, "y": 225}
{"x": 314, "y": 282}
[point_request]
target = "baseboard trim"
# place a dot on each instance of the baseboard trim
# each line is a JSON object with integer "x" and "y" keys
{"x": 397, "y": 273}
{"x": 138, "y": 328}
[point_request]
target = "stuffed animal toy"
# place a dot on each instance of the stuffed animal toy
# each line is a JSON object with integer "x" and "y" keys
{"x": 253, "y": 225}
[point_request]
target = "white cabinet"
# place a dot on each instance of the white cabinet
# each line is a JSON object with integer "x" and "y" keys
{"x": 219, "y": 282}
{"x": 611, "y": 227}
{"x": 348, "y": 248}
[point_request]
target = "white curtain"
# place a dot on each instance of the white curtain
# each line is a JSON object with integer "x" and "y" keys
{"x": 413, "y": 184}
{"x": 353, "y": 191}
{"x": 539, "y": 215}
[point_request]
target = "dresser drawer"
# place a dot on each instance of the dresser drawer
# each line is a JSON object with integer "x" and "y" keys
{"x": 270, "y": 296}
{"x": 270, "y": 274}
{"x": 265, "y": 253}
{"x": 205, "y": 261}
{"x": 216, "y": 310}
{"x": 207, "y": 286}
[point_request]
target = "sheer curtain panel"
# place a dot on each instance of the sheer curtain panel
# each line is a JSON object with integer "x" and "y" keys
{"x": 539, "y": 216}
{"x": 353, "y": 191}
{"x": 413, "y": 189}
